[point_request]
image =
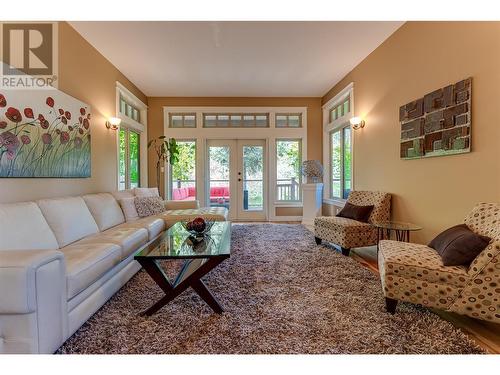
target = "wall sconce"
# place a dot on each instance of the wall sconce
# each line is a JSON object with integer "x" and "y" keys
{"x": 113, "y": 123}
{"x": 357, "y": 123}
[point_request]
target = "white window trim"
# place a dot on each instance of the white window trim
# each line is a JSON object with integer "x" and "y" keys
{"x": 270, "y": 134}
{"x": 328, "y": 127}
{"x": 139, "y": 127}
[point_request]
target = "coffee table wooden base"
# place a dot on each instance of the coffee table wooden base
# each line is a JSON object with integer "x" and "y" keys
{"x": 189, "y": 276}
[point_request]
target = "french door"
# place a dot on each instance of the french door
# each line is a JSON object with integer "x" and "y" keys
{"x": 237, "y": 177}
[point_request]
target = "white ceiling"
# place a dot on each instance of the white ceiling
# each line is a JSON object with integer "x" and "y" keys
{"x": 235, "y": 58}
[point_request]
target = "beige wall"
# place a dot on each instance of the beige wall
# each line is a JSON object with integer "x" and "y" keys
{"x": 86, "y": 75}
{"x": 418, "y": 58}
{"x": 155, "y": 118}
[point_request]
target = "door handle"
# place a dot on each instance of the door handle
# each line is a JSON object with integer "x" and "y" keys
{"x": 239, "y": 179}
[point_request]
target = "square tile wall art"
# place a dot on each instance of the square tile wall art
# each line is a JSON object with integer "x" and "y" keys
{"x": 437, "y": 124}
{"x": 43, "y": 133}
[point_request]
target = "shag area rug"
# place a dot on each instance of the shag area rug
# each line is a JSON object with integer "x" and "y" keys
{"x": 281, "y": 294}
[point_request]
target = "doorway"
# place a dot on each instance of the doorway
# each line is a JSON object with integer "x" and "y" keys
{"x": 237, "y": 178}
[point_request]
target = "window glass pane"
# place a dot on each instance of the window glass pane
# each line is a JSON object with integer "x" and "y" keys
{"x": 176, "y": 121}
{"x": 123, "y": 106}
{"x": 210, "y": 121}
{"x": 219, "y": 166}
{"x": 190, "y": 121}
{"x": 281, "y": 121}
{"x": 294, "y": 121}
{"x": 261, "y": 121}
{"x": 236, "y": 120}
{"x": 288, "y": 178}
{"x": 134, "y": 159}
{"x": 347, "y": 106}
{"x": 223, "y": 120}
{"x": 253, "y": 178}
{"x": 248, "y": 120}
{"x": 183, "y": 180}
{"x": 336, "y": 164}
{"x": 347, "y": 162}
{"x": 121, "y": 163}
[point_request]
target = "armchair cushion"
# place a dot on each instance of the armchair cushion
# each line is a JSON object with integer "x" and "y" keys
{"x": 458, "y": 245}
{"x": 409, "y": 260}
{"x": 345, "y": 232}
{"x": 359, "y": 213}
{"x": 380, "y": 200}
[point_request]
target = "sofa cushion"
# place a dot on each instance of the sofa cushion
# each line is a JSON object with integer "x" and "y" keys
{"x": 86, "y": 263}
{"x": 22, "y": 226}
{"x": 69, "y": 218}
{"x": 129, "y": 239}
{"x": 148, "y": 206}
{"x": 458, "y": 245}
{"x": 146, "y": 192}
{"x": 153, "y": 224}
{"x": 105, "y": 210}
{"x": 128, "y": 208}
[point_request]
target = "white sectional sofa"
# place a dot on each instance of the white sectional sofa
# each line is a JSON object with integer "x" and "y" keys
{"x": 62, "y": 259}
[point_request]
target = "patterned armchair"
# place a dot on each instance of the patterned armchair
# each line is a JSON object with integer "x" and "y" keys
{"x": 348, "y": 233}
{"x": 415, "y": 273}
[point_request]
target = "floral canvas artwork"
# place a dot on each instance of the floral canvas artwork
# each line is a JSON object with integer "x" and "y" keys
{"x": 43, "y": 134}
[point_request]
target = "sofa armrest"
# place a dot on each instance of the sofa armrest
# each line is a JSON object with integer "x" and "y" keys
{"x": 182, "y": 205}
{"x": 33, "y": 301}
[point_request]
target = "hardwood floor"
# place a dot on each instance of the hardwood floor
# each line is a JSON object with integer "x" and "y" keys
{"x": 485, "y": 334}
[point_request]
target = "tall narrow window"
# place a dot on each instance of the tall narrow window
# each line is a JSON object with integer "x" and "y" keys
{"x": 341, "y": 162}
{"x": 129, "y": 161}
{"x": 288, "y": 177}
{"x": 183, "y": 173}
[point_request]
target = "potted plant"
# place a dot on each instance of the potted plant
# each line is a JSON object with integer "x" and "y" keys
{"x": 167, "y": 152}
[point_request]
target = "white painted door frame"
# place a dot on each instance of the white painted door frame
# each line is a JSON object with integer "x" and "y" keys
{"x": 270, "y": 135}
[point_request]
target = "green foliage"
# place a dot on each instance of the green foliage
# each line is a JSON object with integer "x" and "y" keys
{"x": 185, "y": 167}
{"x": 289, "y": 160}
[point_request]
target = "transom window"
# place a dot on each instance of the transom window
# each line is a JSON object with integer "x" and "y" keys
{"x": 236, "y": 120}
{"x": 129, "y": 110}
{"x": 289, "y": 120}
{"x": 340, "y": 162}
{"x": 288, "y": 176}
{"x": 182, "y": 120}
{"x": 340, "y": 109}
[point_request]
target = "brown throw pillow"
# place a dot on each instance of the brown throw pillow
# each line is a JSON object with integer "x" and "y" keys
{"x": 458, "y": 245}
{"x": 147, "y": 206}
{"x": 359, "y": 213}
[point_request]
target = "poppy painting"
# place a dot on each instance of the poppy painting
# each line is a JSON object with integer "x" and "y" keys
{"x": 44, "y": 134}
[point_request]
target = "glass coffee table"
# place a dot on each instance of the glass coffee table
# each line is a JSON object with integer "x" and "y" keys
{"x": 199, "y": 259}
{"x": 401, "y": 229}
